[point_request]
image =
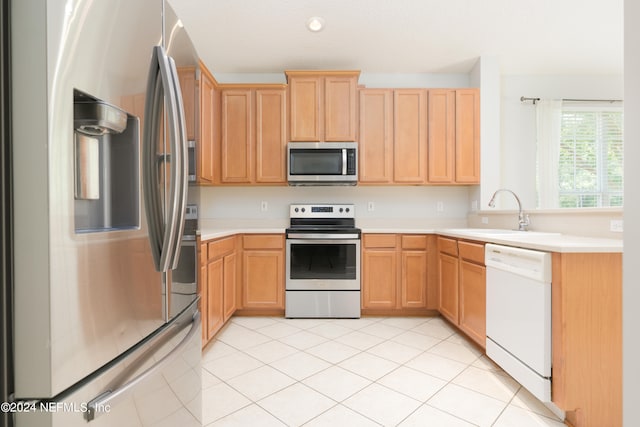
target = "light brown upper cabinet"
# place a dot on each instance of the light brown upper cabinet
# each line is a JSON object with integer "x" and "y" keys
{"x": 442, "y": 135}
{"x": 419, "y": 136}
{"x": 201, "y": 108}
{"x": 253, "y": 134}
{"x": 410, "y": 136}
{"x": 393, "y": 136}
{"x": 468, "y": 136}
{"x": 454, "y": 136}
{"x": 188, "y": 86}
{"x": 208, "y": 124}
{"x": 376, "y": 136}
{"x": 323, "y": 105}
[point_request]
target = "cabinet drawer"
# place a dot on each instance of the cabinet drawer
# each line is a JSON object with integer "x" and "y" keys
{"x": 221, "y": 247}
{"x": 473, "y": 252}
{"x": 262, "y": 241}
{"x": 449, "y": 246}
{"x": 379, "y": 240}
{"x": 414, "y": 242}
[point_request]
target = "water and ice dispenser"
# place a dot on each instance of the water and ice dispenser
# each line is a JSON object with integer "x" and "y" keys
{"x": 106, "y": 169}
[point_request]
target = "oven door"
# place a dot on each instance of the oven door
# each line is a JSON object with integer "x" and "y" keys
{"x": 323, "y": 264}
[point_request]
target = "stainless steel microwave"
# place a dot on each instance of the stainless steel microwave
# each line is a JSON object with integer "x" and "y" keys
{"x": 322, "y": 163}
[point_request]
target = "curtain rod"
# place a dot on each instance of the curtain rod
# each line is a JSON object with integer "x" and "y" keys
{"x": 534, "y": 100}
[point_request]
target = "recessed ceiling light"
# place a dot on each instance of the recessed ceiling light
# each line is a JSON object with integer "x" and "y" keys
{"x": 315, "y": 24}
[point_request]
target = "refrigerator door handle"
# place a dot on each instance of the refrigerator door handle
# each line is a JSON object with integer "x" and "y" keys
{"x": 164, "y": 230}
{"x": 95, "y": 405}
{"x": 182, "y": 180}
{"x": 151, "y": 162}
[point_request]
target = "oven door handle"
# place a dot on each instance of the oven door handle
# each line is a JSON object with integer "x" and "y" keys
{"x": 323, "y": 236}
{"x": 323, "y": 241}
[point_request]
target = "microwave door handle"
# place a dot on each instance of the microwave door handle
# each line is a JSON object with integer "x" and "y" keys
{"x": 344, "y": 161}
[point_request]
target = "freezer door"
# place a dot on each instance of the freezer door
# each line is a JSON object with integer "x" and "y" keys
{"x": 157, "y": 384}
{"x": 86, "y": 289}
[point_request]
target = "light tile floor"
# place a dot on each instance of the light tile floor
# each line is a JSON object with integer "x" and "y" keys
{"x": 266, "y": 371}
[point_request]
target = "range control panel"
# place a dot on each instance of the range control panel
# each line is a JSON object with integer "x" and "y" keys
{"x": 322, "y": 211}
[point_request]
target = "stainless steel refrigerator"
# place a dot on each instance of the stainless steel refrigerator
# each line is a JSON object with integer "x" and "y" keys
{"x": 98, "y": 192}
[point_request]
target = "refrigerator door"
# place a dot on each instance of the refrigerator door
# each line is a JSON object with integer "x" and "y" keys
{"x": 157, "y": 384}
{"x": 86, "y": 288}
{"x": 181, "y": 50}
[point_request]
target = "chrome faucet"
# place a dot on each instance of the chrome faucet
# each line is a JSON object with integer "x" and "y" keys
{"x": 523, "y": 219}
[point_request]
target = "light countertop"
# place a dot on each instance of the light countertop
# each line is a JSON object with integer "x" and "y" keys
{"x": 217, "y": 228}
{"x": 551, "y": 242}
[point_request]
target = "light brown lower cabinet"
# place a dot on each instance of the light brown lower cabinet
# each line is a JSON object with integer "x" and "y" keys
{"x": 215, "y": 289}
{"x": 202, "y": 289}
{"x": 241, "y": 272}
{"x": 230, "y": 273}
{"x": 449, "y": 289}
{"x": 586, "y": 295}
{"x": 395, "y": 273}
{"x": 219, "y": 275}
{"x": 473, "y": 291}
{"x": 462, "y": 286}
{"x": 263, "y": 272}
{"x": 379, "y": 271}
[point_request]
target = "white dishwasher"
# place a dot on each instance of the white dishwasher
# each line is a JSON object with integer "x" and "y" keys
{"x": 519, "y": 315}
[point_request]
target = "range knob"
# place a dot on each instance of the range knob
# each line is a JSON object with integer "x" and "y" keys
{"x": 303, "y": 209}
{"x": 347, "y": 210}
{"x": 341, "y": 210}
{"x": 296, "y": 209}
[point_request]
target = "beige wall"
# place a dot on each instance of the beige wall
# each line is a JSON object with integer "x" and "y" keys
{"x": 596, "y": 223}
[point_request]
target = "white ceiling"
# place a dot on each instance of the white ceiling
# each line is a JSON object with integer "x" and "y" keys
{"x": 407, "y": 36}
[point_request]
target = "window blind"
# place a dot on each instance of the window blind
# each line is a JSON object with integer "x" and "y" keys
{"x": 591, "y": 157}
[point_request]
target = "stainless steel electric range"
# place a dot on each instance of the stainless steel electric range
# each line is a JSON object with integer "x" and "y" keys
{"x": 322, "y": 262}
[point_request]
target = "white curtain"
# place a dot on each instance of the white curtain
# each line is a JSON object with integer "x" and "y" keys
{"x": 548, "y": 121}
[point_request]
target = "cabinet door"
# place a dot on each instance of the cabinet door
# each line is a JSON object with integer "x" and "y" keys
{"x": 263, "y": 279}
{"x": 379, "y": 275}
{"x": 410, "y": 136}
{"x": 442, "y": 135}
{"x": 203, "y": 286}
{"x": 236, "y": 142}
{"x": 271, "y": 136}
{"x": 448, "y": 281}
{"x": 340, "y": 108}
{"x": 306, "y": 115}
{"x": 205, "y": 159}
{"x": 468, "y": 136}
{"x": 414, "y": 278}
{"x": 473, "y": 317}
{"x": 229, "y": 292}
{"x": 376, "y": 136}
{"x": 187, "y": 78}
{"x": 215, "y": 279}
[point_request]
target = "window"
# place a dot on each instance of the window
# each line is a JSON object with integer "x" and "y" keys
{"x": 590, "y": 168}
